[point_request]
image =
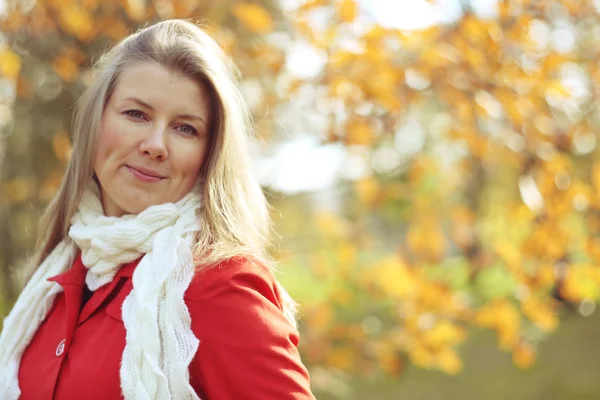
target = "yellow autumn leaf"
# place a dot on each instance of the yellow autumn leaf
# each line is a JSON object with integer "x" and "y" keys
{"x": 66, "y": 68}
{"x": 10, "y": 63}
{"x": 381, "y": 86}
{"x": 443, "y": 334}
{"x": 347, "y": 10}
{"x": 449, "y": 362}
{"x": 390, "y": 362}
{"x": 61, "y": 145}
{"x": 331, "y": 224}
{"x": 478, "y": 145}
{"x": 308, "y": 5}
{"x": 342, "y": 87}
{"x": 557, "y": 89}
{"x": 509, "y": 254}
{"x": 376, "y": 32}
{"x": 426, "y": 239}
{"x": 367, "y": 190}
{"x": 421, "y": 356}
{"x": 540, "y": 313}
{"x": 475, "y": 29}
{"x": 346, "y": 253}
{"x": 389, "y": 100}
{"x": 324, "y": 39}
{"x": 77, "y": 21}
{"x": 416, "y": 39}
{"x": 254, "y": 17}
{"x": 508, "y": 335}
{"x": 500, "y": 313}
{"x": 552, "y": 62}
{"x": 515, "y": 115}
{"x": 507, "y": 324}
{"x": 432, "y": 58}
{"x": 358, "y": 131}
{"x": 475, "y": 58}
{"x": 578, "y": 286}
{"x": 340, "y": 59}
{"x": 394, "y": 278}
{"x": 523, "y": 356}
{"x": 545, "y": 277}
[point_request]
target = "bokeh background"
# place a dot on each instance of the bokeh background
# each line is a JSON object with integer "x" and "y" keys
{"x": 432, "y": 167}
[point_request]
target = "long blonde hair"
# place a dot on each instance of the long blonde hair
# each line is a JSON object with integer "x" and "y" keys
{"x": 235, "y": 219}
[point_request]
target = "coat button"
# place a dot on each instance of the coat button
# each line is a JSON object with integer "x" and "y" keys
{"x": 60, "y": 348}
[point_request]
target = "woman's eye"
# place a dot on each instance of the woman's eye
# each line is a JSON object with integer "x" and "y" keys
{"x": 188, "y": 129}
{"x": 136, "y": 114}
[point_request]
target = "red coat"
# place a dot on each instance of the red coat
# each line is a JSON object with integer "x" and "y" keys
{"x": 247, "y": 350}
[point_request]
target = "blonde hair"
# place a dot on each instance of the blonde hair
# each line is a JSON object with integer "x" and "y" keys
{"x": 235, "y": 218}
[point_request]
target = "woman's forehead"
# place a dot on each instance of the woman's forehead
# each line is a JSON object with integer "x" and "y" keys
{"x": 153, "y": 85}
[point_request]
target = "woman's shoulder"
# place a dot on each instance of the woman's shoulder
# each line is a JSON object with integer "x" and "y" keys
{"x": 233, "y": 277}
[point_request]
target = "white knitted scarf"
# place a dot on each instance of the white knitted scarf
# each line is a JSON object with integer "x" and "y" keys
{"x": 160, "y": 344}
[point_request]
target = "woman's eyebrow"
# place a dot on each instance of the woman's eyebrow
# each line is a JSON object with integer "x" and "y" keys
{"x": 140, "y": 102}
{"x": 190, "y": 116}
{"x": 148, "y": 106}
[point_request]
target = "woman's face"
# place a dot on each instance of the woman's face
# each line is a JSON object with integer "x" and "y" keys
{"x": 153, "y": 139}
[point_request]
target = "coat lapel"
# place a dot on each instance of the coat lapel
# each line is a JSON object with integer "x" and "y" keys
{"x": 73, "y": 281}
{"x": 104, "y": 294}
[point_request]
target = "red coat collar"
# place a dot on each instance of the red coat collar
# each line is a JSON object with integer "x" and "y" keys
{"x": 76, "y": 274}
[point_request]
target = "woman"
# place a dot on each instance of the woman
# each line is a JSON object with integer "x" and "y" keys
{"x": 153, "y": 282}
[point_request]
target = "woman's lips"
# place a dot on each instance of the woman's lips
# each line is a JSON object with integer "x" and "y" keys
{"x": 145, "y": 175}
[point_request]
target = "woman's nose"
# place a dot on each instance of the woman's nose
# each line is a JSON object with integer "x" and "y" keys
{"x": 155, "y": 144}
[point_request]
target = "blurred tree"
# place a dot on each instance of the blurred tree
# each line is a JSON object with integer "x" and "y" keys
{"x": 480, "y": 204}
{"x": 497, "y": 201}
